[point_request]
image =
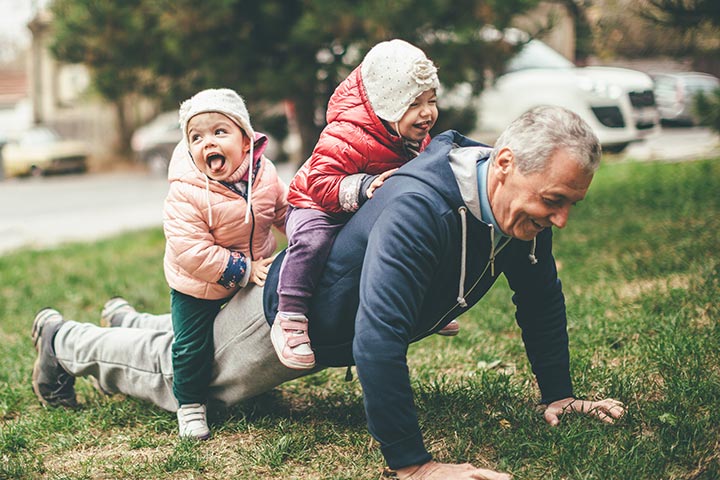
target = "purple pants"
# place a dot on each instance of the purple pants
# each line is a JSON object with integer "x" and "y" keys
{"x": 310, "y": 236}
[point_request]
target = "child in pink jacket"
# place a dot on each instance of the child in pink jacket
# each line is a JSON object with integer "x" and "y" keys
{"x": 224, "y": 198}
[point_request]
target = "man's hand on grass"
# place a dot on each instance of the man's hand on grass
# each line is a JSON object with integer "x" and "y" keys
{"x": 607, "y": 410}
{"x": 447, "y": 471}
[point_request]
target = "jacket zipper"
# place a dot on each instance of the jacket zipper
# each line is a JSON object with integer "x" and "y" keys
{"x": 467, "y": 294}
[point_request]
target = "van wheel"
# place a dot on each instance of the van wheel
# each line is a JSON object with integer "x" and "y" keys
{"x": 157, "y": 163}
{"x": 617, "y": 148}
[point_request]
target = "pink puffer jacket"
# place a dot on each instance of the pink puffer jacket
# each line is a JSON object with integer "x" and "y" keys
{"x": 204, "y": 221}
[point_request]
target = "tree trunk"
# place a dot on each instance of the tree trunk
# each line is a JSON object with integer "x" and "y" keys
{"x": 309, "y": 132}
{"x": 124, "y": 130}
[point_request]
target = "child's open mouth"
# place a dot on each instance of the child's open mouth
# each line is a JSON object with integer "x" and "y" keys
{"x": 215, "y": 161}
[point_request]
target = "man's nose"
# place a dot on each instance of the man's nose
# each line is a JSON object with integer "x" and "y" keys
{"x": 560, "y": 217}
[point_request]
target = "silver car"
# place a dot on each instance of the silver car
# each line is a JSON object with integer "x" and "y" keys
{"x": 675, "y": 94}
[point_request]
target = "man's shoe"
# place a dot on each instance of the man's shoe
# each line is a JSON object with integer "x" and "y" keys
{"x": 450, "y": 330}
{"x": 192, "y": 421}
{"x": 291, "y": 341}
{"x": 114, "y": 311}
{"x": 53, "y": 386}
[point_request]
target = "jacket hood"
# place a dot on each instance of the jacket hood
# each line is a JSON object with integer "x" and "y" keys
{"x": 350, "y": 103}
{"x": 456, "y": 179}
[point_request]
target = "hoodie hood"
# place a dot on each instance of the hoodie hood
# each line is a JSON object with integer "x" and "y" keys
{"x": 456, "y": 180}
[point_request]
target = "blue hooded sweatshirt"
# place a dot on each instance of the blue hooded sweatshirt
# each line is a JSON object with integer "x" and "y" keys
{"x": 409, "y": 261}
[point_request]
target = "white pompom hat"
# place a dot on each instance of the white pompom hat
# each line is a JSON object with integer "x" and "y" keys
{"x": 395, "y": 73}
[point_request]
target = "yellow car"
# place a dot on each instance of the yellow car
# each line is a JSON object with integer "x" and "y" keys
{"x": 40, "y": 150}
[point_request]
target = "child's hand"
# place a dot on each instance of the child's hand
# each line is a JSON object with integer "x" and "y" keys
{"x": 377, "y": 183}
{"x": 259, "y": 270}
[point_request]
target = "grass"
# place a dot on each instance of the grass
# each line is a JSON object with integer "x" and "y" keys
{"x": 641, "y": 272}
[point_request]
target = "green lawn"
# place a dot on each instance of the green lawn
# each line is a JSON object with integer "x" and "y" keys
{"x": 640, "y": 265}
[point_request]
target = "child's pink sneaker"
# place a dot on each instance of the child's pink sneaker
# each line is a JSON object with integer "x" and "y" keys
{"x": 450, "y": 330}
{"x": 291, "y": 341}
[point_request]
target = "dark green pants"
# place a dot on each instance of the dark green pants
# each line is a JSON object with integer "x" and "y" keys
{"x": 192, "y": 350}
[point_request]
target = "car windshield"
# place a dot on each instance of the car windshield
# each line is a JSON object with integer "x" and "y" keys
{"x": 38, "y": 136}
{"x": 536, "y": 54}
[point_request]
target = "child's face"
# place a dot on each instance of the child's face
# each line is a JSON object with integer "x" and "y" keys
{"x": 217, "y": 144}
{"x": 419, "y": 117}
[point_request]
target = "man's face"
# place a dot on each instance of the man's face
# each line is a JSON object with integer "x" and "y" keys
{"x": 524, "y": 205}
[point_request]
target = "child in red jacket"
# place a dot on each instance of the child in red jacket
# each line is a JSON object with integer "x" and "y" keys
{"x": 378, "y": 119}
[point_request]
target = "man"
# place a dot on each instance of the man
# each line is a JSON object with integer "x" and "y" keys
{"x": 426, "y": 248}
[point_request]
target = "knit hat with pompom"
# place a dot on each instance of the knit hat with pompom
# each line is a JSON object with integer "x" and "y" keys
{"x": 220, "y": 100}
{"x": 395, "y": 73}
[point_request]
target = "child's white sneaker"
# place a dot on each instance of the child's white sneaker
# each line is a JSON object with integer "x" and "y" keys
{"x": 291, "y": 341}
{"x": 192, "y": 421}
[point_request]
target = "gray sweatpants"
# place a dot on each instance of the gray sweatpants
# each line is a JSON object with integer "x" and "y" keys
{"x": 135, "y": 359}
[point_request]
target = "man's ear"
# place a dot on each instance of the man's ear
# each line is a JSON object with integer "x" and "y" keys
{"x": 504, "y": 162}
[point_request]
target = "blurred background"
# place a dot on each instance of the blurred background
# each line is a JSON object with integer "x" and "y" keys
{"x": 91, "y": 87}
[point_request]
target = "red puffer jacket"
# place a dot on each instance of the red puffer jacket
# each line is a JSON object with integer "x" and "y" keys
{"x": 354, "y": 141}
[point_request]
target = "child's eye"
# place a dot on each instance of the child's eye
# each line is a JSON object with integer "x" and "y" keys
{"x": 220, "y": 131}
{"x": 194, "y": 137}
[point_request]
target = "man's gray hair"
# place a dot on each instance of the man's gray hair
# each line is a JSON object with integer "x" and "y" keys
{"x": 538, "y": 133}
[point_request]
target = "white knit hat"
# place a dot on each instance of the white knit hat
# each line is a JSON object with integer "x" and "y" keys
{"x": 230, "y": 104}
{"x": 220, "y": 100}
{"x": 395, "y": 73}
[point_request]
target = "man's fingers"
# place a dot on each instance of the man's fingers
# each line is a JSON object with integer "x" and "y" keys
{"x": 443, "y": 471}
{"x": 551, "y": 417}
{"x": 612, "y": 409}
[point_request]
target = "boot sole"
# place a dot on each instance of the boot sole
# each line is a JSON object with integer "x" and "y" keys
{"x": 109, "y": 312}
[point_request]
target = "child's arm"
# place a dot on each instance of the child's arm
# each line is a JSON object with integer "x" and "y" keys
{"x": 192, "y": 244}
{"x": 377, "y": 182}
{"x": 337, "y": 167}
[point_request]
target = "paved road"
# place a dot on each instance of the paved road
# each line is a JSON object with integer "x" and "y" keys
{"x": 42, "y": 212}
{"x": 676, "y": 144}
{"x": 45, "y": 211}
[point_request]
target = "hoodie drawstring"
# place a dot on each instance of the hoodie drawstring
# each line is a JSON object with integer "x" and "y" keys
{"x": 532, "y": 257}
{"x": 492, "y": 250}
{"x": 207, "y": 199}
{"x": 250, "y": 179}
{"x": 463, "y": 254}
